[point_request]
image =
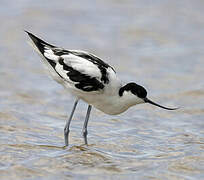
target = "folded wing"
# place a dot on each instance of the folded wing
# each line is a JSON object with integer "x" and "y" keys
{"x": 79, "y": 69}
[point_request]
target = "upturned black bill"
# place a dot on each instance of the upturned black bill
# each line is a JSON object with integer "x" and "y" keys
{"x": 153, "y": 103}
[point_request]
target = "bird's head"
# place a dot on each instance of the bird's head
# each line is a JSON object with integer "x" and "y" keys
{"x": 137, "y": 95}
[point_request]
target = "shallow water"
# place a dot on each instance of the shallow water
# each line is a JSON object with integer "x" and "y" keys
{"x": 158, "y": 44}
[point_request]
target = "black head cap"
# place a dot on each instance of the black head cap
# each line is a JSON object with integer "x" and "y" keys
{"x": 135, "y": 89}
{"x": 140, "y": 92}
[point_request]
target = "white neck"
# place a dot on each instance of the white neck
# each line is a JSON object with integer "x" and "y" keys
{"x": 113, "y": 104}
{"x": 128, "y": 99}
{"x": 118, "y": 104}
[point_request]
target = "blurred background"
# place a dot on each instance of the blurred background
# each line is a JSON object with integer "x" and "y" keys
{"x": 158, "y": 44}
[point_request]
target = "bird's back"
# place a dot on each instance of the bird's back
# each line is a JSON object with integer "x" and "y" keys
{"x": 82, "y": 73}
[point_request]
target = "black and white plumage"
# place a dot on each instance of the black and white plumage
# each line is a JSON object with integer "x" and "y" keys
{"x": 89, "y": 78}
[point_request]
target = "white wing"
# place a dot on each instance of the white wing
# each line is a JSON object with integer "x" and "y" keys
{"x": 80, "y": 69}
{"x": 82, "y": 65}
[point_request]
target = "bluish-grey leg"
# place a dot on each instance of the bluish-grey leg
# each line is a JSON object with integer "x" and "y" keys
{"x": 84, "y": 130}
{"x": 66, "y": 128}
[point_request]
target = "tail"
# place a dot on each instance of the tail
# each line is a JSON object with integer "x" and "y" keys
{"x": 46, "y": 52}
{"x": 39, "y": 43}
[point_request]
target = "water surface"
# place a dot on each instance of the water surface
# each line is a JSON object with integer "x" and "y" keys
{"x": 158, "y": 44}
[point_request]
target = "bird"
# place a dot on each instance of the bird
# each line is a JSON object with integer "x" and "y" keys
{"x": 90, "y": 79}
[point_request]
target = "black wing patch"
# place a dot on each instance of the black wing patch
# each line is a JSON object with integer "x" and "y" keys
{"x": 84, "y": 82}
{"x": 100, "y": 64}
{"x": 60, "y": 51}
